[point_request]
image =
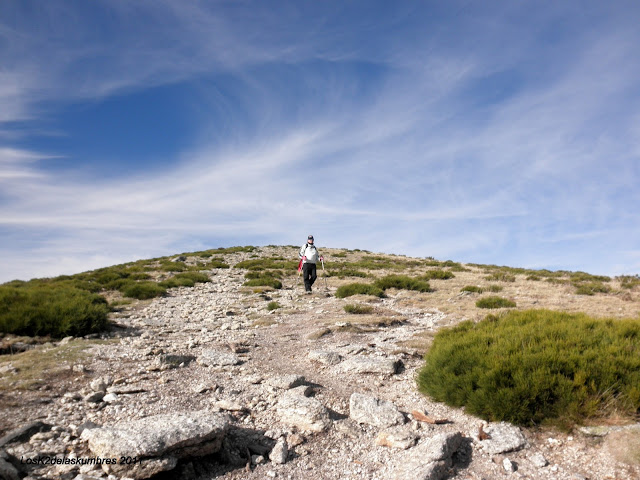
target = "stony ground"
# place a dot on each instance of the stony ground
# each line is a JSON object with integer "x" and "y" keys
{"x": 216, "y": 347}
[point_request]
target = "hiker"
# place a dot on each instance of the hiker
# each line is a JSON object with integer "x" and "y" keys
{"x": 309, "y": 255}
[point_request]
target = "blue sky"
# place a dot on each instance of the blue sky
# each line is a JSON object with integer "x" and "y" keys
{"x": 491, "y": 132}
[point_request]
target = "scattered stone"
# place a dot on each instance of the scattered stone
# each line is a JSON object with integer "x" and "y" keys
{"x": 325, "y": 357}
{"x": 100, "y": 384}
{"x": 65, "y": 340}
{"x": 373, "y": 411}
{"x": 125, "y": 390}
{"x": 595, "y": 431}
{"x": 508, "y": 465}
{"x": 169, "y": 361}
{"x": 110, "y": 398}
{"x": 214, "y": 358}
{"x": 431, "y": 459}
{"x": 279, "y": 452}
{"x": 8, "y": 471}
{"x": 159, "y": 441}
{"x": 79, "y": 368}
{"x": 94, "y": 397}
{"x": 503, "y": 438}
{"x": 306, "y": 414}
{"x": 285, "y": 382}
{"x": 24, "y": 433}
{"x": 538, "y": 460}
{"x": 349, "y": 428}
{"x": 228, "y": 405}
{"x": 402, "y": 438}
{"x": 295, "y": 439}
{"x": 384, "y": 366}
{"x": 8, "y": 368}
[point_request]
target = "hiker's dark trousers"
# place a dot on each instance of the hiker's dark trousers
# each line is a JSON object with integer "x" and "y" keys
{"x": 309, "y": 275}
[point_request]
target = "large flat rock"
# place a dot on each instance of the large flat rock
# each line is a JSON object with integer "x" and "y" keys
{"x": 154, "y": 444}
{"x": 373, "y": 411}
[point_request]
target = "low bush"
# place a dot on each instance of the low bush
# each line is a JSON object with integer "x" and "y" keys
{"x": 346, "y": 272}
{"x": 215, "y": 263}
{"x": 359, "y": 289}
{"x": 273, "y": 306}
{"x": 587, "y": 277}
{"x": 501, "y": 276}
{"x": 537, "y": 366}
{"x": 495, "y": 302}
{"x": 403, "y": 282}
{"x": 591, "y": 288}
{"x": 437, "y": 275}
{"x": 143, "y": 290}
{"x": 56, "y": 311}
{"x": 264, "y": 281}
{"x": 629, "y": 281}
{"x": 472, "y": 289}
{"x": 358, "y": 309}
{"x": 185, "y": 279}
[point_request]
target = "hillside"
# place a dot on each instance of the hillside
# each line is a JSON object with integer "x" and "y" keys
{"x": 242, "y": 375}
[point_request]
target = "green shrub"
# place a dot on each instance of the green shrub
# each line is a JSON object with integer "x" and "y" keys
{"x": 495, "y": 302}
{"x": 471, "y": 288}
{"x": 273, "y": 306}
{"x": 629, "y": 281}
{"x": 437, "y": 275}
{"x": 501, "y": 276}
{"x": 46, "y": 310}
{"x": 536, "y": 366}
{"x": 185, "y": 279}
{"x": 495, "y": 288}
{"x": 143, "y": 290}
{"x": 216, "y": 263}
{"x": 591, "y": 288}
{"x": 358, "y": 309}
{"x": 346, "y": 272}
{"x": 403, "y": 282}
{"x": 169, "y": 266}
{"x": 269, "y": 264}
{"x": 359, "y": 289}
{"x": 266, "y": 281}
{"x": 587, "y": 277}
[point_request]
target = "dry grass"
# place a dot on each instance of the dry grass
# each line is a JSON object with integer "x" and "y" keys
{"x": 419, "y": 343}
{"x": 264, "y": 322}
{"x": 43, "y": 365}
{"x": 625, "y": 446}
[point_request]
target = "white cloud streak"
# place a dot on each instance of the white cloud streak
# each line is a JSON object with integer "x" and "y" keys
{"x": 420, "y": 168}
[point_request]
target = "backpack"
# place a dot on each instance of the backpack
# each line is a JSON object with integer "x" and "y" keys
{"x": 311, "y": 252}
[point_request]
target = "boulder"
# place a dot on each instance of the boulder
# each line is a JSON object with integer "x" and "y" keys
{"x": 373, "y": 411}
{"x": 24, "y": 433}
{"x": 279, "y": 452}
{"x": 214, "y": 358}
{"x": 397, "y": 437}
{"x": 156, "y": 443}
{"x": 285, "y": 382}
{"x": 431, "y": 459}
{"x": 306, "y": 414}
{"x": 503, "y": 438}
{"x": 325, "y": 357}
{"x": 383, "y": 365}
{"x": 8, "y": 471}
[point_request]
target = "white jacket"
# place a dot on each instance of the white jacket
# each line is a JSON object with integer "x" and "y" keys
{"x": 310, "y": 251}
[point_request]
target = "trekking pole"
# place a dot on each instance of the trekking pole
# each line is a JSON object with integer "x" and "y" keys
{"x": 324, "y": 274}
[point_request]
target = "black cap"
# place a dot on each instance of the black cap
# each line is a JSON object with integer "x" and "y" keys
{"x": 310, "y": 237}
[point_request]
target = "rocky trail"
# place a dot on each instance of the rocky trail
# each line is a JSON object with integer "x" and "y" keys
{"x": 208, "y": 383}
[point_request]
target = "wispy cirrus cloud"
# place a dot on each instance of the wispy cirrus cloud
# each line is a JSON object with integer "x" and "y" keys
{"x": 505, "y": 135}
